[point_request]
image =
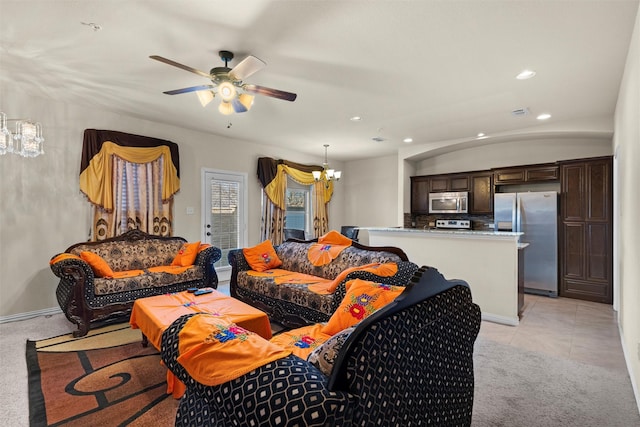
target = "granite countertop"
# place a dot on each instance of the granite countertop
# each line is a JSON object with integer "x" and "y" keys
{"x": 441, "y": 231}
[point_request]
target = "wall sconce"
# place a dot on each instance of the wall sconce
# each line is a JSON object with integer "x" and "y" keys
{"x": 27, "y": 140}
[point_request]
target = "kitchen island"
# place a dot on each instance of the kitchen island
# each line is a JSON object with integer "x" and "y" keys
{"x": 486, "y": 260}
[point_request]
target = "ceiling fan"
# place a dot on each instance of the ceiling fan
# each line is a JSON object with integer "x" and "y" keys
{"x": 228, "y": 84}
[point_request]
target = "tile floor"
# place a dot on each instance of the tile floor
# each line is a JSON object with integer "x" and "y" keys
{"x": 582, "y": 331}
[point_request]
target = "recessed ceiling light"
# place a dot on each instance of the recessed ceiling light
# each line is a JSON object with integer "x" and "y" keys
{"x": 525, "y": 74}
{"x": 544, "y": 116}
{"x": 407, "y": 140}
{"x": 355, "y": 118}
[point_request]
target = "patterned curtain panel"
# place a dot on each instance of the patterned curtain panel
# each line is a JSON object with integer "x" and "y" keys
{"x": 272, "y": 221}
{"x": 273, "y": 174}
{"x": 138, "y": 200}
{"x": 320, "y": 214}
{"x": 130, "y": 181}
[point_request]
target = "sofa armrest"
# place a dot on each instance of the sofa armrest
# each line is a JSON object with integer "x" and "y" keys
{"x": 238, "y": 263}
{"x": 206, "y": 260}
{"x": 76, "y": 281}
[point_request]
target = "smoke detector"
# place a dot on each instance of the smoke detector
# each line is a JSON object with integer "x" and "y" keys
{"x": 519, "y": 112}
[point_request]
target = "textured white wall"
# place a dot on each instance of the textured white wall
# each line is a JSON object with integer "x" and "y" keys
{"x": 42, "y": 211}
{"x": 627, "y": 205}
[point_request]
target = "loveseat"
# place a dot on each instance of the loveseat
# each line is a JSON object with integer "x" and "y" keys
{"x": 100, "y": 281}
{"x": 295, "y": 292}
{"x": 409, "y": 363}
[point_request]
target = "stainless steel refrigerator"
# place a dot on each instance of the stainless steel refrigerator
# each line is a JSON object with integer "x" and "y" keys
{"x": 534, "y": 214}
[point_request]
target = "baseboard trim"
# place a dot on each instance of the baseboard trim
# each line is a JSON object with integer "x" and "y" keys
{"x": 509, "y": 321}
{"x": 30, "y": 315}
{"x": 627, "y": 358}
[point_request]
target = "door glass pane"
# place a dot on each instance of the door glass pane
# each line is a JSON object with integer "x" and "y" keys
{"x": 225, "y": 217}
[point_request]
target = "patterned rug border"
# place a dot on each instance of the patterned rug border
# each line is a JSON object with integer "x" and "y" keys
{"x": 37, "y": 414}
{"x": 38, "y": 405}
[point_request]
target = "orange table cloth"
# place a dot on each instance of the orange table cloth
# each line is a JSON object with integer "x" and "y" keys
{"x": 152, "y": 315}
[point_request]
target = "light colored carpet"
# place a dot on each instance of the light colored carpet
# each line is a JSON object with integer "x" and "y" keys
{"x": 514, "y": 388}
{"x": 519, "y": 388}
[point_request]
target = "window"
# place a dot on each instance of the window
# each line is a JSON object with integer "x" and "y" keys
{"x": 298, "y": 214}
{"x": 224, "y": 212}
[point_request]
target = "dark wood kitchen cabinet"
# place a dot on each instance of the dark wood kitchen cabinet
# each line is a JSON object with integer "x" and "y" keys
{"x": 420, "y": 194}
{"x": 478, "y": 184}
{"x": 586, "y": 242}
{"x": 449, "y": 182}
{"x": 481, "y": 193}
{"x": 527, "y": 174}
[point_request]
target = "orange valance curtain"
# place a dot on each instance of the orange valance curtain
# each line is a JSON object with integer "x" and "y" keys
{"x": 130, "y": 181}
{"x": 273, "y": 174}
{"x": 96, "y": 169}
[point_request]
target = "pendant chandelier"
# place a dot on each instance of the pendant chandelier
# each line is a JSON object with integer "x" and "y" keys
{"x": 326, "y": 174}
{"x": 27, "y": 140}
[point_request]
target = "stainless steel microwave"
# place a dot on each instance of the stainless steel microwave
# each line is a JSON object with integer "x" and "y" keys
{"x": 449, "y": 203}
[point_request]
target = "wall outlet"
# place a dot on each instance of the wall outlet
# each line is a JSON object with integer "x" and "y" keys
{"x": 191, "y": 210}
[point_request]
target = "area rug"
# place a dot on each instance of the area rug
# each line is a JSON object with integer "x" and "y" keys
{"x": 105, "y": 379}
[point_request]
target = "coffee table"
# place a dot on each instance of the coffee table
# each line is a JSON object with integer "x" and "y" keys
{"x": 153, "y": 315}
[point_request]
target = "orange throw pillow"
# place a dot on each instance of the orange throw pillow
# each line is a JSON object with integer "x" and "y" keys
{"x": 186, "y": 255}
{"x": 262, "y": 257}
{"x": 98, "y": 264}
{"x": 363, "y": 298}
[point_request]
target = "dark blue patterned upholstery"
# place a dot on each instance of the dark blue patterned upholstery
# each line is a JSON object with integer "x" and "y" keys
{"x": 286, "y": 392}
{"x": 410, "y": 363}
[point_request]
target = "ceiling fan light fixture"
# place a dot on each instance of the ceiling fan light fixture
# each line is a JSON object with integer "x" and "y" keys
{"x": 227, "y": 91}
{"x": 238, "y": 106}
{"x": 246, "y": 100}
{"x": 225, "y": 108}
{"x": 205, "y": 97}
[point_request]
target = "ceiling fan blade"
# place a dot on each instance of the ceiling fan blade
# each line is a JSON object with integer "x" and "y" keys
{"x": 189, "y": 89}
{"x": 274, "y": 93}
{"x": 247, "y": 67}
{"x": 182, "y": 66}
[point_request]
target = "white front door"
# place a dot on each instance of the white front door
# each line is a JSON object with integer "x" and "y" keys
{"x": 224, "y": 214}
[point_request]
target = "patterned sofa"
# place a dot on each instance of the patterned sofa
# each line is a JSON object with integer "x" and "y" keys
{"x": 139, "y": 262}
{"x": 409, "y": 363}
{"x": 294, "y": 304}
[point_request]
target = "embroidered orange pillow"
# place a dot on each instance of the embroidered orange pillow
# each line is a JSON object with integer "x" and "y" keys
{"x": 186, "y": 255}
{"x": 262, "y": 257}
{"x": 362, "y": 299}
{"x": 98, "y": 264}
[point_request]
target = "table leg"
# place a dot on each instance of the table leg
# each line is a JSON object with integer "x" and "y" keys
{"x": 145, "y": 341}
